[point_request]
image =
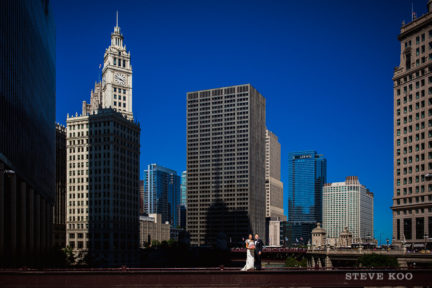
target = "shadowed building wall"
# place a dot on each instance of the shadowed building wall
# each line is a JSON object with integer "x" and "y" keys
{"x": 27, "y": 130}
{"x": 59, "y": 211}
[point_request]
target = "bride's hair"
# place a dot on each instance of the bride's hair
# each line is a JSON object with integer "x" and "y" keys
{"x": 250, "y": 236}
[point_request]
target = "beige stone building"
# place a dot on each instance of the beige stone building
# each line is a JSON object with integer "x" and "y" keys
{"x": 274, "y": 187}
{"x": 103, "y": 146}
{"x": 152, "y": 228}
{"x": 412, "y": 82}
{"x": 319, "y": 239}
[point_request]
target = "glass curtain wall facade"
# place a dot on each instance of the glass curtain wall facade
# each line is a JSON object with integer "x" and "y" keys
{"x": 162, "y": 193}
{"x": 307, "y": 175}
{"x": 27, "y": 130}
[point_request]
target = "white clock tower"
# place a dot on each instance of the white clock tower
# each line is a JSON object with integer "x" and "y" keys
{"x": 117, "y": 75}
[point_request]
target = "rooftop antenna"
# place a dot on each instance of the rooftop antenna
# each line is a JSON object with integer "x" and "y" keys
{"x": 413, "y": 14}
{"x": 117, "y": 18}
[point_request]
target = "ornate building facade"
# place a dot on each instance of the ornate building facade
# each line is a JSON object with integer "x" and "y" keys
{"x": 103, "y": 146}
{"x": 412, "y": 86}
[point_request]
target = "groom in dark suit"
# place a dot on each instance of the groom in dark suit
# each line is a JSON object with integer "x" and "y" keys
{"x": 258, "y": 251}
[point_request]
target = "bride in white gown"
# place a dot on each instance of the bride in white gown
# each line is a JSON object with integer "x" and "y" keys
{"x": 250, "y": 256}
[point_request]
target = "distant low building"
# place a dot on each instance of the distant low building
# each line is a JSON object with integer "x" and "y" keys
{"x": 152, "y": 228}
{"x": 274, "y": 233}
{"x": 175, "y": 233}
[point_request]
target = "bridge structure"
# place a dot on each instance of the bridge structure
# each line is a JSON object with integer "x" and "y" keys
{"x": 330, "y": 258}
{"x": 271, "y": 253}
{"x": 211, "y": 277}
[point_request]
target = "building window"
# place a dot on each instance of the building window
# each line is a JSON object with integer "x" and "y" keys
{"x": 407, "y": 228}
{"x": 420, "y": 228}
{"x": 430, "y": 226}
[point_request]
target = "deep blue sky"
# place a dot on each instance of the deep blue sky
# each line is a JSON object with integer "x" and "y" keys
{"x": 324, "y": 67}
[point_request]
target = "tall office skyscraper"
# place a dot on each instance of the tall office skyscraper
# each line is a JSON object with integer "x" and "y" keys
{"x": 348, "y": 204}
{"x": 162, "y": 193}
{"x": 412, "y": 82}
{"x": 307, "y": 175}
{"x": 274, "y": 187}
{"x": 225, "y": 163}
{"x": 27, "y": 130}
{"x": 59, "y": 211}
{"x": 103, "y": 167}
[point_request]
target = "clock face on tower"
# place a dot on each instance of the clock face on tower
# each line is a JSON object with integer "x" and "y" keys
{"x": 120, "y": 78}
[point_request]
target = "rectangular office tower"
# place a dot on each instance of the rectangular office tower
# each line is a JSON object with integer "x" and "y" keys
{"x": 274, "y": 187}
{"x": 412, "y": 82}
{"x": 307, "y": 175}
{"x": 225, "y": 164}
{"x": 348, "y": 204}
{"x": 27, "y": 131}
{"x": 162, "y": 193}
{"x": 103, "y": 146}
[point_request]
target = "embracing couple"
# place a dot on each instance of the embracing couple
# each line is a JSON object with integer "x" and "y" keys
{"x": 253, "y": 253}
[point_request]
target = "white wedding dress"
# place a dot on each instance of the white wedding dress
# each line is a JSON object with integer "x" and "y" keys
{"x": 250, "y": 258}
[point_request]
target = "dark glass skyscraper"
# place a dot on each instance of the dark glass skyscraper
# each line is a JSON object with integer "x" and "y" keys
{"x": 27, "y": 130}
{"x": 162, "y": 193}
{"x": 307, "y": 176}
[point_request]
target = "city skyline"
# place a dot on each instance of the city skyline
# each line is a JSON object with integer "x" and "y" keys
{"x": 157, "y": 62}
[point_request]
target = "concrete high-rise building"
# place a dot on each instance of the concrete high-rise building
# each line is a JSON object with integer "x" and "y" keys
{"x": 225, "y": 164}
{"x": 27, "y": 130}
{"x": 307, "y": 175}
{"x": 274, "y": 187}
{"x": 348, "y": 204}
{"x": 59, "y": 210}
{"x": 103, "y": 146}
{"x": 412, "y": 85}
{"x": 162, "y": 193}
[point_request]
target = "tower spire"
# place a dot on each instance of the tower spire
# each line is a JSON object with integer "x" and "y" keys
{"x": 117, "y": 18}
